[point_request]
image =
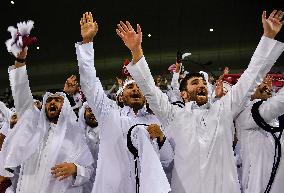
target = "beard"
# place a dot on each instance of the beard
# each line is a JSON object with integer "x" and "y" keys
{"x": 52, "y": 117}
{"x": 91, "y": 123}
{"x": 199, "y": 100}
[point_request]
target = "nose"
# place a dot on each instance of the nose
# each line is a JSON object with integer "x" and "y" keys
{"x": 135, "y": 89}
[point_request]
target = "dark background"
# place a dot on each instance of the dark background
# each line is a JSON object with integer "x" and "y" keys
{"x": 174, "y": 25}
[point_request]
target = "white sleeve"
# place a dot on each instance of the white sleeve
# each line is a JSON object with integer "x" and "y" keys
{"x": 166, "y": 153}
{"x": 273, "y": 107}
{"x": 7, "y": 113}
{"x": 158, "y": 101}
{"x": 173, "y": 92}
{"x": 90, "y": 84}
{"x": 174, "y": 82}
{"x": 83, "y": 175}
{"x": 265, "y": 55}
{"x": 21, "y": 91}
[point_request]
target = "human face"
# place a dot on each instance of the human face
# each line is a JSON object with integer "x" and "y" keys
{"x": 90, "y": 118}
{"x": 53, "y": 107}
{"x": 196, "y": 91}
{"x": 264, "y": 90}
{"x": 13, "y": 120}
{"x": 133, "y": 97}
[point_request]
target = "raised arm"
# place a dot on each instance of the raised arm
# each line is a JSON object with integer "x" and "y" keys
{"x": 274, "y": 105}
{"x": 90, "y": 84}
{"x": 20, "y": 87}
{"x": 265, "y": 55}
{"x": 140, "y": 71}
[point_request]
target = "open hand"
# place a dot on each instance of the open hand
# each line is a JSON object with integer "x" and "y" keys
{"x": 64, "y": 170}
{"x": 131, "y": 39}
{"x": 89, "y": 28}
{"x": 71, "y": 85}
{"x": 272, "y": 24}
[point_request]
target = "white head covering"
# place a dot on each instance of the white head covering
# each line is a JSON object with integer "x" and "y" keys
{"x": 127, "y": 82}
{"x": 119, "y": 92}
{"x": 27, "y": 138}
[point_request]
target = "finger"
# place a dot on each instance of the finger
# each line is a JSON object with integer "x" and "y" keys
{"x": 281, "y": 15}
{"x": 57, "y": 171}
{"x": 263, "y": 17}
{"x": 278, "y": 15}
{"x": 272, "y": 14}
{"x": 119, "y": 34}
{"x": 124, "y": 26}
{"x": 81, "y": 21}
{"x": 121, "y": 29}
{"x": 85, "y": 18}
{"x": 91, "y": 17}
{"x": 129, "y": 26}
{"x": 139, "y": 29}
{"x": 63, "y": 177}
{"x": 60, "y": 174}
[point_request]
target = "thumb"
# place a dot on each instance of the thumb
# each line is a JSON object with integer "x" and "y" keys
{"x": 263, "y": 17}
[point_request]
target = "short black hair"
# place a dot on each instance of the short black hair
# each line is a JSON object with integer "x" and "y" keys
{"x": 183, "y": 83}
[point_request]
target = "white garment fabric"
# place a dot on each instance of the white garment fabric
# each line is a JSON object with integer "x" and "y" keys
{"x": 174, "y": 93}
{"x": 78, "y": 100}
{"x": 93, "y": 140}
{"x": 204, "y": 159}
{"x": 257, "y": 146}
{"x": 6, "y": 117}
{"x": 5, "y": 128}
{"x": 37, "y": 145}
{"x": 115, "y": 169}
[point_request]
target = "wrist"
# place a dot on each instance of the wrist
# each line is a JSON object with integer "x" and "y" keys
{"x": 87, "y": 40}
{"x": 137, "y": 54}
{"x": 19, "y": 63}
{"x": 269, "y": 35}
{"x": 20, "y": 60}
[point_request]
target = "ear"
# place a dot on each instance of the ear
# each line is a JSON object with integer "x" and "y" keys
{"x": 184, "y": 95}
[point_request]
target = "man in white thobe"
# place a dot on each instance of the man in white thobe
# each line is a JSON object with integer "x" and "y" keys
{"x": 88, "y": 122}
{"x": 257, "y": 147}
{"x": 204, "y": 160}
{"x": 49, "y": 145}
{"x": 116, "y": 169}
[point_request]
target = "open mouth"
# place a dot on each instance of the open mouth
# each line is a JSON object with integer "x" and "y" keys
{"x": 136, "y": 96}
{"x": 52, "y": 109}
{"x": 92, "y": 118}
{"x": 201, "y": 93}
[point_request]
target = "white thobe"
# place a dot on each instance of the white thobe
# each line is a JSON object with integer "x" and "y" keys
{"x": 37, "y": 151}
{"x": 115, "y": 122}
{"x": 204, "y": 159}
{"x": 257, "y": 146}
